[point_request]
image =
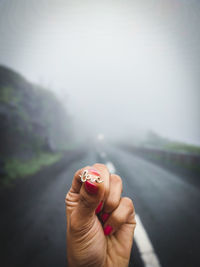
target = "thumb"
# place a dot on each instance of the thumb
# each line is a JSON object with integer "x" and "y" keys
{"x": 91, "y": 194}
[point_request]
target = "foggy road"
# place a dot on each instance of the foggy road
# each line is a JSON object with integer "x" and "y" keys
{"x": 33, "y": 212}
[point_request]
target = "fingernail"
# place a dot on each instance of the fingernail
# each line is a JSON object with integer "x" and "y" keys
{"x": 98, "y": 209}
{"x": 93, "y": 171}
{"x": 104, "y": 217}
{"x": 91, "y": 188}
{"x": 107, "y": 230}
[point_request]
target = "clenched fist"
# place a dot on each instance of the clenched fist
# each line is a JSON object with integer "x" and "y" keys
{"x": 100, "y": 223}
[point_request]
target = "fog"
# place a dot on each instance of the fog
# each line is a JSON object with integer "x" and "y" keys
{"x": 120, "y": 67}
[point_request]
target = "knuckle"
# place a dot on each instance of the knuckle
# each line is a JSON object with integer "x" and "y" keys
{"x": 118, "y": 219}
{"x": 67, "y": 199}
{"x": 129, "y": 204}
{"x": 71, "y": 199}
{"x": 116, "y": 179}
{"x": 111, "y": 204}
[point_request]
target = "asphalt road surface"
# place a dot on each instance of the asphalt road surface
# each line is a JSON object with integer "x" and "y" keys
{"x": 33, "y": 222}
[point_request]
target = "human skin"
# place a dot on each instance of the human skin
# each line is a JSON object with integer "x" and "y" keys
{"x": 100, "y": 223}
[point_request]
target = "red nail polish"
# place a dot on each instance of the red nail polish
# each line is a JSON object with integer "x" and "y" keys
{"x": 107, "y": 230}
{"x": 98, "y": 209}
{"x": 93, "y": 171}
{"x": 91, "y": 188}
{"x": 104, "y": 217}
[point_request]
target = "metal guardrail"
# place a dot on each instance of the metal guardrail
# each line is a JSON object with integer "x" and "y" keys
{"x": 167, "y": 156}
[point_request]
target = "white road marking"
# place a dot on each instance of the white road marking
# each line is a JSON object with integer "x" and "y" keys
{"x": 110, "y": 167}
{"x": 142, "y": 240}
{"x": 144, "y": 245}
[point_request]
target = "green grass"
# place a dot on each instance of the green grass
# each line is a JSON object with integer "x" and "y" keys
{"x": 6, "y": 94}
{"x": 16, "y": 168}
{"x": 175, "y": 146}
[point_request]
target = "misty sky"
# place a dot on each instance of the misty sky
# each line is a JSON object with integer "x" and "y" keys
{"x": 121, "y": 67}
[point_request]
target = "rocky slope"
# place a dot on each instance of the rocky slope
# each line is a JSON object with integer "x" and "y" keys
{"x": 31, "y": 118}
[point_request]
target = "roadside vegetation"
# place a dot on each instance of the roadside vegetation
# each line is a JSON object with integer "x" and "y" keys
{"x": 180, "y": 157}
{"x": 182, "y": 147}
{"x": 156, "y": 141}
{"x": 15, "y": 168}
{"x": 35, "y": 128}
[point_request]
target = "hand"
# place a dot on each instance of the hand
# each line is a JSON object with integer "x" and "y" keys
{"x": 100, "y": 223}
